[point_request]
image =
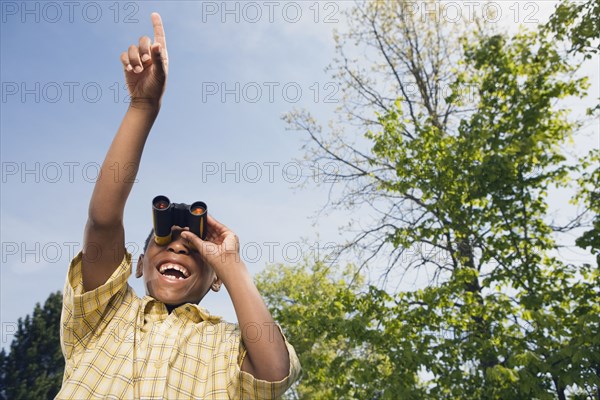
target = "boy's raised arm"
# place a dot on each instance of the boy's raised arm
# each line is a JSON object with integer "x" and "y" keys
{"x": 146, "y": 69}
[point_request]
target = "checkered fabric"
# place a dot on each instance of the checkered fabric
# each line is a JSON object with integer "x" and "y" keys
{"x": 118, "y": 346}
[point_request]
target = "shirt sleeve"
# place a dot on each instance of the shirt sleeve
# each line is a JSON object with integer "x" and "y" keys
{"x": 86, "y": 314}
{"x": 250, "y": 388}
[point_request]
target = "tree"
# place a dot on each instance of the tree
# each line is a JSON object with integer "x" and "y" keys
{"x": 463, "y": 138}
{"x": 33, "y": 369}
{"x": 330, "y": 316}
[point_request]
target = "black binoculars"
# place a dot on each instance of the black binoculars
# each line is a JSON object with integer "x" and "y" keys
{"x": 166, "y": 214}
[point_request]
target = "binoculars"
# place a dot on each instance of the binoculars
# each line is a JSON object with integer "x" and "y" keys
{"x": 166, "y": 214}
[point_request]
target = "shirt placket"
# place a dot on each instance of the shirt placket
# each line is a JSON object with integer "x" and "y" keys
{"x": 160, "y": 352}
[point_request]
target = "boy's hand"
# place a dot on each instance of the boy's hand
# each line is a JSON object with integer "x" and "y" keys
{"x": 221, "y": 249}
{"x": 146, "y": 67}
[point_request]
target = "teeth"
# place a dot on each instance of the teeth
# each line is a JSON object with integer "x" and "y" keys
{"x": 177, "y": 267}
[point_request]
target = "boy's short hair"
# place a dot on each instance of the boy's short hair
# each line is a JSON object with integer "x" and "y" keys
{"x": 148, "y": 239}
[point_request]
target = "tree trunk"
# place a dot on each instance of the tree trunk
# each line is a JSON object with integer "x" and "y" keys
{"x": 482, "y": 329}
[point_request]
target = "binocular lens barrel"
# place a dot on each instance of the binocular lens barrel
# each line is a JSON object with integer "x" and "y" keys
{"x": 197, "y": 219}
{"x": 161, "y": 216}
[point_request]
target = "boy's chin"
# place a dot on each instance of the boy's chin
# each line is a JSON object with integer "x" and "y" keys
{"x": 167, "y": 296}
{"x": 172, "y": 295}
{"x": 172, "y": 301}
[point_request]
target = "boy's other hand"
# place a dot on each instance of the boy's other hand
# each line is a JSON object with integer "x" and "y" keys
{"x": 221, "y": 249}
{"x": 146, "y": 67}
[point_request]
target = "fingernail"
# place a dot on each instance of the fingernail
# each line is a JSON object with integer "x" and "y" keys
{"x": 129, "y": 67}
{"x": 145, "y": 57}
{"x": 137, "y": 68}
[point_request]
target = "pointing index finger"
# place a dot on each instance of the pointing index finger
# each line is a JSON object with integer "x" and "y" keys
{"x": 159, "y": 30}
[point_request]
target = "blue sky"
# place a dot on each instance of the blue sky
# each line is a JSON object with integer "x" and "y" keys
{"x": 63, "y": 98}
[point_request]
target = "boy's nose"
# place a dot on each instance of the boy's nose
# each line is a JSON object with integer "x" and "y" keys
{"x": 178, "y": 244}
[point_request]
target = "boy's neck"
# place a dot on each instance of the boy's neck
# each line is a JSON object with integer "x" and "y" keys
{"x": 170, "y": 307}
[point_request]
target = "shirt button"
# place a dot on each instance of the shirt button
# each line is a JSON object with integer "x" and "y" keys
{"x": 158, "y": 364}
{"x": 187, "y": 308}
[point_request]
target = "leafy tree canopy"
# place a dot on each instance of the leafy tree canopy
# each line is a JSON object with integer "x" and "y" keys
{"x": 33, "y": 368}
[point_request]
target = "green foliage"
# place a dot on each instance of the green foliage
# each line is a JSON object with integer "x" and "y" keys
{"x": 331, "y": 322}
{"x": 350, "y": 342}
{"x": 578, "y": 23}
{"x": 357, "y": 341}
{"x": 33, "y": 369}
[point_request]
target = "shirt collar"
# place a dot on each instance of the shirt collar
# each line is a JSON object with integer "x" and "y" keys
{"x": 154, "y": 310}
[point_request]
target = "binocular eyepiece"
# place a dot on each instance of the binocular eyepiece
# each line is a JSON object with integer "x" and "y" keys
{"x": 166, "y": 214}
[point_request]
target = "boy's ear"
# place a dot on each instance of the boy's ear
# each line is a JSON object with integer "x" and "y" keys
{"x": 139, "y": 271}
{"x": 216, "y": 285}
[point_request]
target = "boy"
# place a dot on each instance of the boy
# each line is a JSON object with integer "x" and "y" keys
{"x": 163, "y": 346}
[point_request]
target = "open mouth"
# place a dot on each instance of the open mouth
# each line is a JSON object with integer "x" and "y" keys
{"x": 173, "y": 271}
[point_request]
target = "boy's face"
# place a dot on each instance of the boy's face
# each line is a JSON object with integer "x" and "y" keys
{"x": 174, "y": 273}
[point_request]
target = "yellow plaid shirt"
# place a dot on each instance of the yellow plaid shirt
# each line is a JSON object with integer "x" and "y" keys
{"x": 118, "y": 346}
